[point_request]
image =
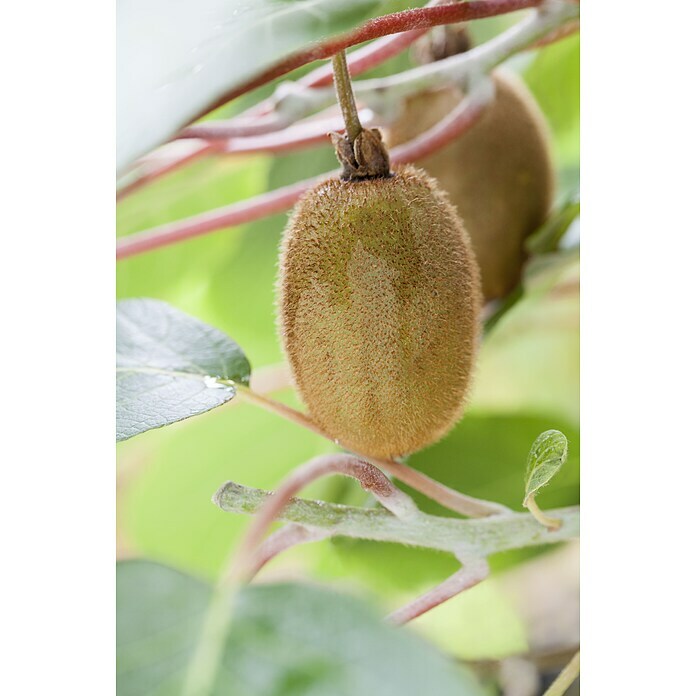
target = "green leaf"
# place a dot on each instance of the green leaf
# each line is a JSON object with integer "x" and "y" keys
{"x": 284, "y": 640}
{"x": 177, "y": 59}
{"x": 168, "y": 365}
{"x": 548, "y": 454}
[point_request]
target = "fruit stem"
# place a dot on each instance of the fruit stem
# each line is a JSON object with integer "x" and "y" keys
{"x": 346, "y": 99}
{"x": 447, "y": 497}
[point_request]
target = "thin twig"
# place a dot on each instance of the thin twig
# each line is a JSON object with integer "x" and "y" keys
{"x": 471, "y": 573}
{"x": 228, "y": 216}
{"x": 236, "y": 128}
{"x": 406, "y": 20}
{"x": 369, "y": 477}
{"x": 567, "y": 676}
{"x": 297, "y": 137}
{"x": 447, "y": 497}
{"x": 285, "y": 538}
{"x": 283, "y": 198}
{"x": 359, "y": 61}
{"x": 261, "y": 119}
{"x": 384, "y": 95}
{"x": 149, "y": 173}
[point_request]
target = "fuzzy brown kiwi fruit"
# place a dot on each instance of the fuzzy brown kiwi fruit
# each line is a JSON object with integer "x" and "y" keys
{"x": 379, "y": 299}
{"x": 498, "y": 174}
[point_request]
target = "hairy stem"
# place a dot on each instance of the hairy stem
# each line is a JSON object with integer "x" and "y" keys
{"x": 470, "y": 574}
{"x": 567, "y": 676}
{"x": 463, "y": 537}
{"x": 369, "y": 477}
{"x": 449, "y": 498}
{"x": 344, "y": 94}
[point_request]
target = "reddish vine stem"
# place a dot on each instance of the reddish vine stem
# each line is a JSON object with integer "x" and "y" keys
{"x": 408, "y": 27}
{"x": 369, "y": 477}
{"x": 204, "y": 149}
{"x": 447, "y": 497}
{"x": 470, "y": 574}
{"x": 239, "y": 127}
{"x": 250, "y": 125}
{"x": 297, "y": 137}
{"x": 285, "y": 538}
{"x": 228, "y": 216}
{"x": 460, "y": 120}
{"x": 407, "y": 20}
{"x": 561, "y": 33}
{"x": 359, "y": 61}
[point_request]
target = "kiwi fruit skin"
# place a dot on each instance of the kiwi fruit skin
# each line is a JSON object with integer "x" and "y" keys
{"x": 379, "y": 301}
{"x": 498, "y": 174}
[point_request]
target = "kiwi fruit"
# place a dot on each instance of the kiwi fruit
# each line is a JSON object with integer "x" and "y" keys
{"x": 498, "y": 174}
{"x": 379, "y": 301}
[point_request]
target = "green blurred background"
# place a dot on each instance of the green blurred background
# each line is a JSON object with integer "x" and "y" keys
{"x": 527, "y": 381}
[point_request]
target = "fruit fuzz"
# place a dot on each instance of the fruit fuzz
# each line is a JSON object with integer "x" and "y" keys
{"x": 498, "y": 174}
{"x": 379, "y": 299}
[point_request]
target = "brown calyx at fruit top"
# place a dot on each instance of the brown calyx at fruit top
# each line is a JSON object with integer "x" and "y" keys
{"x": 366, "y": 158}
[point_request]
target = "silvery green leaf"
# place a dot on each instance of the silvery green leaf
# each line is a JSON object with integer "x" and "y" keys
{"x": 169, "y": 366}
{"x": 284, "y": 640}
{"x": 175, "y": 60}
{"x": 547, "y": 455}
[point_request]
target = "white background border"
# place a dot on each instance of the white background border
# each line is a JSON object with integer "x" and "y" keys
{"x": 638, "y": 348}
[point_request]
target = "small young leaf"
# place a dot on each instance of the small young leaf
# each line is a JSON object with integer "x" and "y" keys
{"x": 169, "y": 366}
{"x": 547, "y": 456}
{"x": 284, "y": 640}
